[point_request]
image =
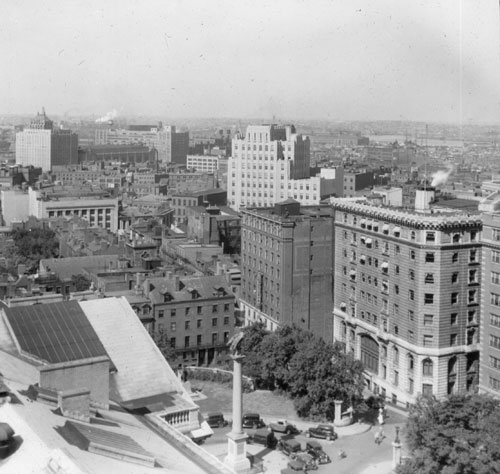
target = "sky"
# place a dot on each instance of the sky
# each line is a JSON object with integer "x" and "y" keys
{"x": 432, "y": 60}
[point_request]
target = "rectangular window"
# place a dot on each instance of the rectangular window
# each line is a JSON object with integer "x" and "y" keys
{"x": 412, "y": 254}
{"x": 430, "y": 237}
{"x": 495, "y": 256}
{"x": 173, "y": 312}
{"x": 494, "y": 383}
{"x": 429, "y": 278}
{"x": 411, "y": 315}
{"x": 454, "y": 277}
{"x": 472, "y": 297}
{"x": 411, "y": 274}
{"x": 161, "y": 313}
{"x": 226, "y": 307}
{"x": 186, "y": 341}
{"x": 199, "y": 309}
{"x": 495, "y": 278}
{"x": 453, "y": 319}
{"x": 214, "y": 338}
{"x": 411, "y": 295}
{"x": 496, "y": 234}
{"x": 199, "y": 323}
{"x": 172, "y": 342}
{"x": 428, "y": 319}
{"x": 453, "y": 339}
{"x": 226, "y": 320}
{"x": 454, "y": 298}
{"x": 495, "y": 299}
{"x": 495, "y": 320}
{"x": 187, "y": 311}
{"x": 428, "y": 298}
{"x": 454, "y": 257}
{"x": 494, "y": 362}
{"x": 429, "y": 257}
{"x": 410, "y": 385}
{"x": 427, "y": 389}
{"x": 214, "y": 322}
{"x": 173, "y": 327}
{"x": 473, "y": 256}
{"x": 198, "y": 340}
{"x": 214, "y": 308}
{"x": 187, "y": 325}
{"x": 428, "y": 340}
{"x": 494, "y": 341}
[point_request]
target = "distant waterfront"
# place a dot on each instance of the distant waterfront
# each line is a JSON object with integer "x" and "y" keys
{"x": 419, "y": 140}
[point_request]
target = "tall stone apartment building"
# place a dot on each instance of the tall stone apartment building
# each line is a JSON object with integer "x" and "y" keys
{"x": 287, "y": 266}
{"x": 407, "y": 297}
{"x": 489, "y": 381}
{"x": 269, "y": 164}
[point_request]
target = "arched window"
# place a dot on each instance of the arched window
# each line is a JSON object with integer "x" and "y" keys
{"x": 427, "y": 367}
{"x": 395, "y": 356}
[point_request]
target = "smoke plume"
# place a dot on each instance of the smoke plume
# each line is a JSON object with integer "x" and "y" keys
{"x": 441, "y": 176}
{"x": 109, "y": 116}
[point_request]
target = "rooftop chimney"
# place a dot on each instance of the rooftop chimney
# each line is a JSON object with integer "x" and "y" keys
{"x": 423, "y": 198}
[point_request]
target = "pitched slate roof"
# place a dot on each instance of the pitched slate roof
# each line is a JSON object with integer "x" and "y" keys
{"x": 54, "y": 332}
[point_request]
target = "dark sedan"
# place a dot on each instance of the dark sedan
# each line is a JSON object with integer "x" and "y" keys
{"x": 322, "y": 431}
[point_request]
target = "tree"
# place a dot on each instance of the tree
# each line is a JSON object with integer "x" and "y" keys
{"x": 33, "y": 245}
{"x": 251, "y": 348}
{"x": 459, "y": 435}
{"x": 80, "y": 282}
{"x": 161, "y": 339}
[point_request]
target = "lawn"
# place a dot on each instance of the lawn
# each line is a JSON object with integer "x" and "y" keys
{"x": 219, "y": 398}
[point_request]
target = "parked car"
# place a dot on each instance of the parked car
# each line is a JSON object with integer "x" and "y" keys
{"x": 309, "y": 461}
{"x": 289, "y": 446}
{"x": 282, "y": 426}
{"x": 316, "y": 451}
{"x": 265, "y": 437}
{"x": 216, "y": 420}
{"x": 297, "y": 465}
{"x": 322, "y": 431}
{"x": 252, "y": 420}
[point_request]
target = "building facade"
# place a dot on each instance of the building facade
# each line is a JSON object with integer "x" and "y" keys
{"x": 269, "y": 164}
{"x": 196, "y": 313}
{"x": 172, "y": 146}
{"x": 42, "y": 146}
{"x": 489, "y": 381}
{"x": 99, "y": 209}
{"x": 407, "y": 298}
{"x": 287, "y": 266}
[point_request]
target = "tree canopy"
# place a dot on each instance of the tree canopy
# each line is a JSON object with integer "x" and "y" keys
{"x": 314, "y": 373}
{"x": 32, "y": 245}
{"x": 459, "y": 435}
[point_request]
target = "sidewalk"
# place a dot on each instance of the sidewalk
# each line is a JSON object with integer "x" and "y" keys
{"x": 384, "y": 467}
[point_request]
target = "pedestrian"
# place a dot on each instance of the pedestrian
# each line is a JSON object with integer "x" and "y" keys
{"x": 376, "y": 437}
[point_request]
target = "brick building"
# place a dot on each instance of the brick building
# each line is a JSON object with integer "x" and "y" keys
{"x": 287, "y": 266}
{"x": 197, "y": 313}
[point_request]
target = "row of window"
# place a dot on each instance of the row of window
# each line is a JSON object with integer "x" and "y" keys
{"x": 430, "y": 236}
{"x": 199, "y": 340}
{"x": 199, "y": 324}
{"x": 199, "y": 310}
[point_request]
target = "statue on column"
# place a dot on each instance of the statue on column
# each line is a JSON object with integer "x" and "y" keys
{"x": 235, "y": 344}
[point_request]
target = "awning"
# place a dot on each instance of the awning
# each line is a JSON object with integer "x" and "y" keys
{"x": 362, "y": 258}
{"x": 385, "y": 227}
{"x": 204, "y": 431}
{"x": 343, "y": 306}
{"x": 385, "y": 265}
{"x": 397, "y": 230}
{"x": 369, "y": 241}
{"x": 362, "y": 222}
{"x": 352, "y": 273}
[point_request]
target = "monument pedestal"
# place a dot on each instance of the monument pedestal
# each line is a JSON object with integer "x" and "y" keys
{"x": 236, "y": 457}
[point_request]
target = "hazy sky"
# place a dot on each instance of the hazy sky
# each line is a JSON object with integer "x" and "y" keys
{"x": 432, "y": 60}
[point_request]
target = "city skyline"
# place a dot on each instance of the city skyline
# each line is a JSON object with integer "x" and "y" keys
{"x": 327, "y": 60}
